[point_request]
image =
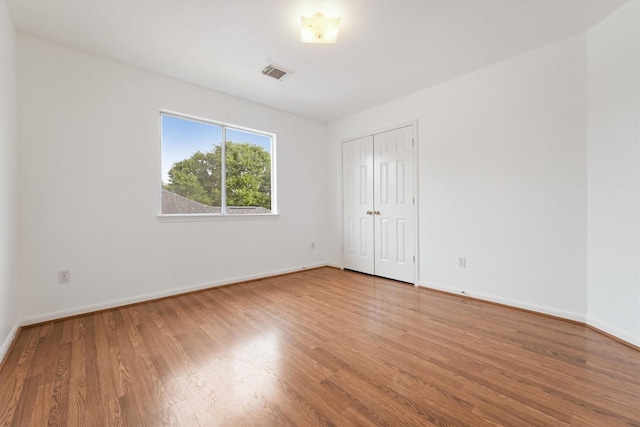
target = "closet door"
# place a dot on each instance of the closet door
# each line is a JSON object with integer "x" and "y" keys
{"x": 357, "y": 200}
{"x": 394, "y": 198}
{"x": 378, "y": 198}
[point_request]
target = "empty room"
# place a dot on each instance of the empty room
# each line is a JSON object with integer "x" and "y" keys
{"x": 320, "y": 212}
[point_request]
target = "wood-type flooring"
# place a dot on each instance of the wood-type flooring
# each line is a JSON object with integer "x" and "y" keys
{"x": 321, "y": 347}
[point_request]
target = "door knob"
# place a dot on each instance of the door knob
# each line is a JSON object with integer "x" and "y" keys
{"x": 369, "y": 213}
{"x": 376, "y": 212}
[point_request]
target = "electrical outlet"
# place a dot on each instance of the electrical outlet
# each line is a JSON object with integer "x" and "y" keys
{"x": 462, "y": 262}
{"x": 64, "y": 276}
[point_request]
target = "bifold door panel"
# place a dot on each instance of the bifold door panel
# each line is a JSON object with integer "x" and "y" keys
{"x": 357, "y": 158}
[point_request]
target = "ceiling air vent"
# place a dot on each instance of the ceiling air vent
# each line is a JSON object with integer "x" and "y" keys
{"x": 276, "y": 71}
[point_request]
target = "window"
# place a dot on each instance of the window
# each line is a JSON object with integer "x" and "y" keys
{"x": 216, "y": 169}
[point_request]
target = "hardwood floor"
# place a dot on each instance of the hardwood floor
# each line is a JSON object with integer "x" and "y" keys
{"x": 320, "y": 347}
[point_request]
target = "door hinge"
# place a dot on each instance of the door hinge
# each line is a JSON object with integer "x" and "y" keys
{"x": 414, "y": 259}
{"x": 414, "y": 200}
{"x": 413, "y": 142}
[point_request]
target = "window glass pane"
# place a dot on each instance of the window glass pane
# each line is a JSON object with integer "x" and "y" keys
{"x": 191, "y": 166}
{"x": 248, "y": 166}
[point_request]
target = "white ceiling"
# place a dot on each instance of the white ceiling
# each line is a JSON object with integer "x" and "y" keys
{"x": 386, "y": 48}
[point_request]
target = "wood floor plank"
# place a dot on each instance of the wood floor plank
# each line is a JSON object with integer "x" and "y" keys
{"x": 77, "y": 378}
{"x": 25, "y": 407}
{"x": 321, "y": 347}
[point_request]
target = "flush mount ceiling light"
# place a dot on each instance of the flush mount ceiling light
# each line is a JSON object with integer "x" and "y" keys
{"x": 319, "y": 29}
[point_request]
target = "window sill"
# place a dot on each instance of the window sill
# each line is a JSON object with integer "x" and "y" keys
{"x": 214, "y": 217}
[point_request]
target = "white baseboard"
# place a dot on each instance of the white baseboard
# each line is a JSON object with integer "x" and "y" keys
{"x": 46, "y": 317}
{"x": 6, "y": 345}
{"x": 611, "y": 330}
{"x": 602, "y": 326}
{"x": 338, "y": 266}
{"x": 512, "y": 303}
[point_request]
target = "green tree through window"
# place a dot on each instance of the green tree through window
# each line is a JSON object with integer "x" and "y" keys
{"x": 194, "y": 184}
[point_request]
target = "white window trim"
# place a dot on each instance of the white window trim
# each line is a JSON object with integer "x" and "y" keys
{"x": 214, "y": 217}
{"x": 224, "y": 216}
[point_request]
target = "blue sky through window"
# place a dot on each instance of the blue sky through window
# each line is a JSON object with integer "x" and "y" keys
{"x": 236, "y": 135}
{"x": 182, "y": 137}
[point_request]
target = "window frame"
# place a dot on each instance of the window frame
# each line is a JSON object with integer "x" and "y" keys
{"x": 223, "y": 215}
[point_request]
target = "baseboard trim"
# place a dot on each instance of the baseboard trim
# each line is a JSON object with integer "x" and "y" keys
{"x": 594, "y": 325}
{"x": 533, "y": 308}
{"x": 9, "y": 343}
{"x": 613, "y": 333}
{"x": 93, "y": 308}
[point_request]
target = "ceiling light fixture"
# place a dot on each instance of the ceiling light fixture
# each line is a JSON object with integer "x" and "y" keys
{"x": 319, "y": 29}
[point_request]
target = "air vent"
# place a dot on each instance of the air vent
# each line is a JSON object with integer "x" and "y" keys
{"x": 276, "y": 71}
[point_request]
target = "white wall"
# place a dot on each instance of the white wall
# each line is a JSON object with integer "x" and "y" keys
{"x": 614, "y": 174}
{"x": 9, "y": 289}
{"x": 502, "y": 166}
{"x": 89, "y": 182}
